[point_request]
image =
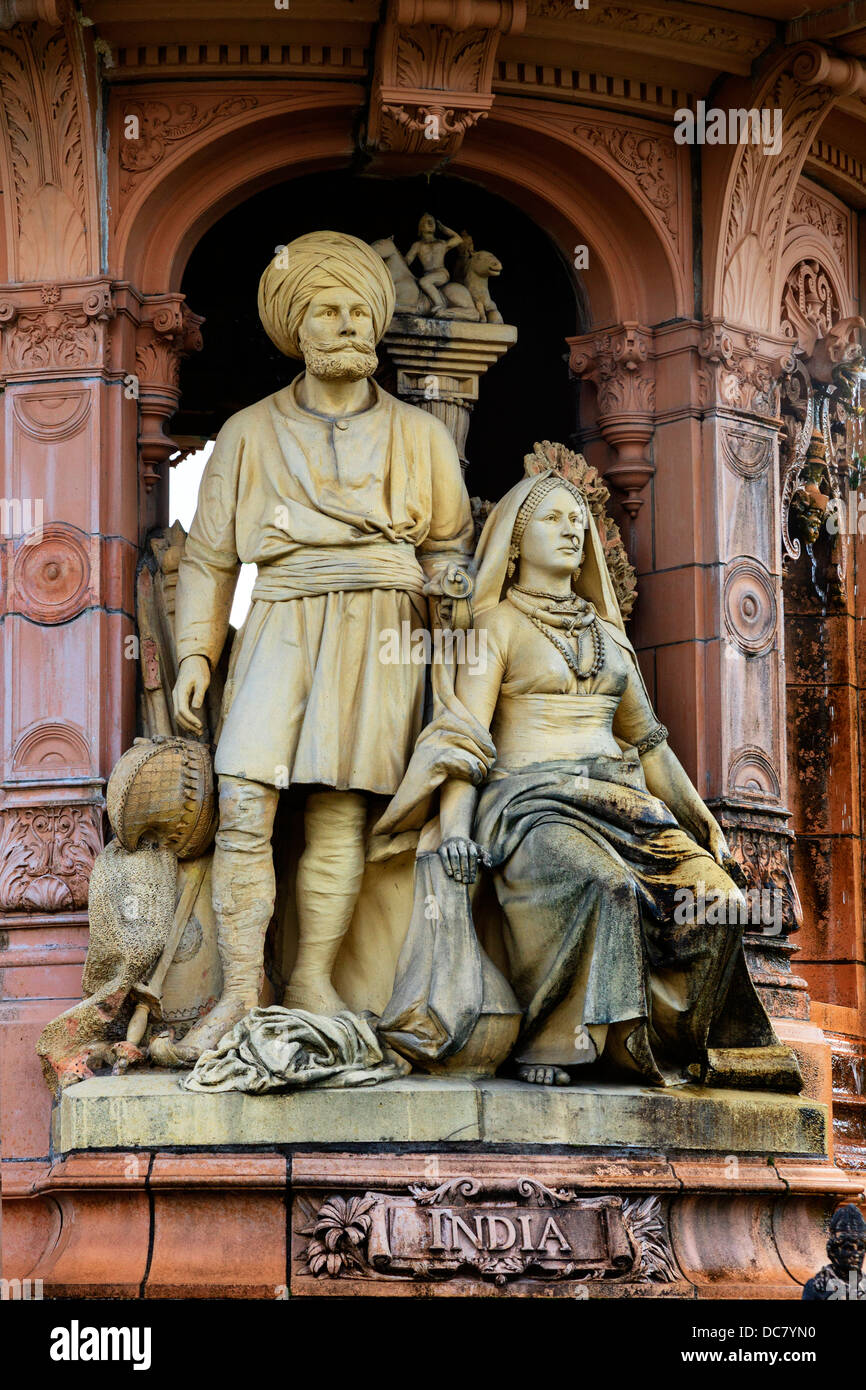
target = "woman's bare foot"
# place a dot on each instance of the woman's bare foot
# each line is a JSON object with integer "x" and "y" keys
{"x": 543, "y": 1076}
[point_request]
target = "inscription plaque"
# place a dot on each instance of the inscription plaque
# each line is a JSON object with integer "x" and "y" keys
{"x": 527, "y": 1231}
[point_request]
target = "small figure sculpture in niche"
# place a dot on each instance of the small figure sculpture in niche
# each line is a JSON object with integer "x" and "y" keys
{"x": 589, "y": 824}
{"x": 463, "y": 293}
{"x": 842, "y": 1278}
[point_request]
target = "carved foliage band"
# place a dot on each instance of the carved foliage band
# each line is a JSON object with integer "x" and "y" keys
{"x": 46, "y": 857}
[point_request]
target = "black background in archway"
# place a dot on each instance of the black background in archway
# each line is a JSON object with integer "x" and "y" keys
{"x": 526, "y": 396}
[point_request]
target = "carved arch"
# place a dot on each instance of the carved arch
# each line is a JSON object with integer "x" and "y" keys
{"x": 569, "y": 185}
{"x": 591, "y": 190}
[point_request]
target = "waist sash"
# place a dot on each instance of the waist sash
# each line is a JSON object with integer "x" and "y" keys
{"x": 540, "y": 728}
{"x": 320, "y": 569}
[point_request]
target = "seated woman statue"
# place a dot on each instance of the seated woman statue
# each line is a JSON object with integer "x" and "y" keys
{"x": 588, "y": 821}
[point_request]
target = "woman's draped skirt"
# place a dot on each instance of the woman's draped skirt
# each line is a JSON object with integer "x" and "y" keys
{"x": 587, "y": 866}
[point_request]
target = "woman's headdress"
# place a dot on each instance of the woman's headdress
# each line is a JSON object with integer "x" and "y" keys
{"x": 494, "y": 553}
{"x": 547, "y": 482}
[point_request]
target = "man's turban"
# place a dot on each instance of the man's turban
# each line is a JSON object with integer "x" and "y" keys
{"x": 319, "y": 261}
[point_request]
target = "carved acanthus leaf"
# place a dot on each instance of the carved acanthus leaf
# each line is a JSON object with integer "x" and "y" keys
{"x": 46, "y": 857}
{"x": 633, "y": 20}
{"x": 649, "y": 159}
{"x": 43, "y": 134}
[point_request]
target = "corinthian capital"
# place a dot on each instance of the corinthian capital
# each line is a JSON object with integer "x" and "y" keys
{"x": 619, "y": 363}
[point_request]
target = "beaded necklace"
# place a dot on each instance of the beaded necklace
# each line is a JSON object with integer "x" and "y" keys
{"x": 573, "y": 615}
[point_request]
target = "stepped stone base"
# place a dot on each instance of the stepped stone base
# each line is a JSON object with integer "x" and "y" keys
{"x": 434, "y": 1187}
{"x": 149, "y": 1110}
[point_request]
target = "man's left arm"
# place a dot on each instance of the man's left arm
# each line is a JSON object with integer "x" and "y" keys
{"x": 450, "y": 539}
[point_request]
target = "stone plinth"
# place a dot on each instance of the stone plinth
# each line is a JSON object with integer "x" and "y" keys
{"x": 434, "y": 1186}
{"x": 440, "y": 361}
{"x": 150, "y": 1110}
{"x": 433, "y": 1220}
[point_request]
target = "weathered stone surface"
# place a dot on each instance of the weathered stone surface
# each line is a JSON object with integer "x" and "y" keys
{"x": 148, "y": 1109}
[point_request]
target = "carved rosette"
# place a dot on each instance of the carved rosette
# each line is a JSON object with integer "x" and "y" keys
{"x": 434, "y": 72}
{"x": 47, "y": 854}
{"x": 168, "y": 332}
{"x": 55, "y": 328}
{"x": 751, "y": 610}
{"x": 619, "y": 363}
{"x": 52, "y": 576}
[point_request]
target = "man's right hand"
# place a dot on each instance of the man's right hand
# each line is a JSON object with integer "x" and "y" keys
{"x": 190, "y": 688}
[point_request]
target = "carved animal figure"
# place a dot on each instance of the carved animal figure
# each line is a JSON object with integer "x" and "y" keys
{"x": 482, "y": 264}
{"x": 411, "y": 299}
{"x": 470, "y": 301}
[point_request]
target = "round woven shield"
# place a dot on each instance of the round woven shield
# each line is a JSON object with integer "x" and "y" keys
{"x": 161, "y": 791}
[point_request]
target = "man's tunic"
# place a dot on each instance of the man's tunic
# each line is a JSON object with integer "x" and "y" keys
{"x": 345, "y": 519}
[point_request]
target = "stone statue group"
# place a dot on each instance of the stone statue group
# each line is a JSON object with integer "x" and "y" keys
{"x": 461, "y": 293}
{"x": 482, "y": 864}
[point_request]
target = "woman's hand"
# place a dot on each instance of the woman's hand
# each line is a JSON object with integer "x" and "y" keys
{"x": 716, "y": 843}
{"x": 460, "y": 858}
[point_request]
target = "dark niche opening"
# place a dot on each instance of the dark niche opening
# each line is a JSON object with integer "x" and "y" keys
{"x": 525, "y": 397}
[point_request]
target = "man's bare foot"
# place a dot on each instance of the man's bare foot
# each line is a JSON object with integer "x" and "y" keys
{"x": 205, "y": 1035}
{"x": 314, "y": 997}
{"x": 544, "y": 1076}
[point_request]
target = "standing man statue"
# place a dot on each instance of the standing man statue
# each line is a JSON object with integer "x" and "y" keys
{"x": 353, "y": 507}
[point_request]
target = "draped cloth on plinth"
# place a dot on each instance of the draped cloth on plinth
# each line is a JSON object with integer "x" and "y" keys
{"x": 278, "y": 1049}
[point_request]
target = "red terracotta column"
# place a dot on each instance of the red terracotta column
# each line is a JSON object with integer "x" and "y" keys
{"x": 683, "y": 421}
{"x": 68, "y": 548}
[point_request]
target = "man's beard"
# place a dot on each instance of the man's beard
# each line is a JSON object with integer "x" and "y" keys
{"x": 352, "y": 364}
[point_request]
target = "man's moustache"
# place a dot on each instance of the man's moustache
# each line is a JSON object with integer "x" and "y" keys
{"x": 363, "y": 348}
